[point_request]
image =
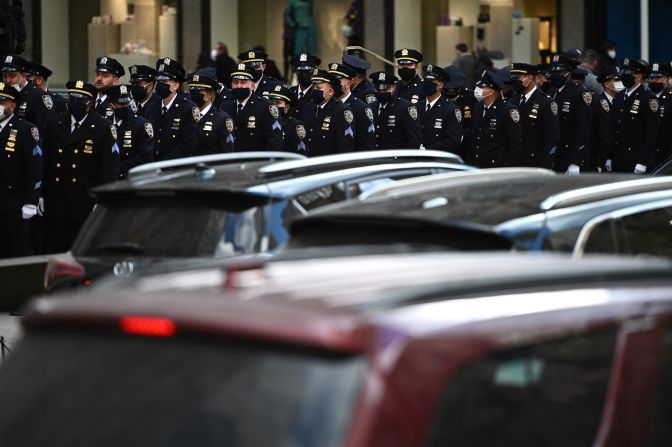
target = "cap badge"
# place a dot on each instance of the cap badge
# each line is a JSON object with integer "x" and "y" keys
{"x": 2, "y": 85}
{"x": 404, "y": 52}
{"x": 315, "y": 72}
{"x": 381, "y": 77}
{"x": 162, "y": 67}
{"x": 8, "y": 60}
{"x": 251, "y": 54}
{"x": 626, "y": 61}
{"x": 430, "y": 67}
{"x": 166, "y": 61}
{"x": 334, "y": 66}
{"x": 277, "y": 88}
{"x": 79, "y": 84}
{"x": 134, "y": 70}
{"x": 655, "y": 67}
{"x": 103, "y": 60}
{"x": 123, "y": 90}
{"x": 241, "y": 67}
{"x": 303, "y": 58}
{"x": 195, "y": 78}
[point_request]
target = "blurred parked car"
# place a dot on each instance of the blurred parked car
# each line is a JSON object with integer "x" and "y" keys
{"x": 411, "y": 350}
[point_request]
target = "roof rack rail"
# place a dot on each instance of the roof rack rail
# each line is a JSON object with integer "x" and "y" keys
{"x": 215, "y": 159}
{"x": 605, "y": 191}
{"x": 354, "y": 157}
{"x": 419, "y": 184}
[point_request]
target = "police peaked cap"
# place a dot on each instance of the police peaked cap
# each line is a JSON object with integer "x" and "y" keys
{"x": 305, "y": 61}
{"x": 119, "y": 94}
{"x": 8, "y": 92}
{"x": 490, "y": 79}
{"x": 504, "y": 75}
{"x": 544, "y": 69}
{"x": 14, "y": 63}
{"x": 247, "y": 57}
{"x": 36, "y": 69}
{"x": 142, "y": 73}
{"x": 573, "y": 53}
{"x": 457, "y": 77}
{"x": 519, "y": 68}
{"x": 282, "y": 93}
{"x": 244, "y": 72}
{"x": 434, "y": 72}
{"x": 81, "y": 88}
{"x": 342, "y": 71}
{"x": 204, "y": 79}
{"x": 168, "y": 68}
{"x": 359, "y": 64}
{"x": 383, "y": 77}
{"x": 579, "y": 73}
{"x": 635, "y": 66}
{"x": 105, "y": 64}
{"x": 408, "y": 56}
{"x": 611, "y": 73}
{"x": 563, "y": 63}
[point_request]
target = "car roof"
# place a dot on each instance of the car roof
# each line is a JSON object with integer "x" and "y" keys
{"x": 330, "y": 303}
{"x": 491, "y": 197}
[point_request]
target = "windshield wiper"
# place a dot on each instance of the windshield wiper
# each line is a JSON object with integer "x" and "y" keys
{"x": 124, "y": 247}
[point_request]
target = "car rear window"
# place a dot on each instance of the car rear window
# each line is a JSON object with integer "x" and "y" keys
{"x": 108, "y": 390}
{"x": 547, "y": 394}
{"x": 170, "y": 228}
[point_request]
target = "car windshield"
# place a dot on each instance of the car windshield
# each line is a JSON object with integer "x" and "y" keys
{"x": 170, "y": 228}
{"x": 113, "y": 390}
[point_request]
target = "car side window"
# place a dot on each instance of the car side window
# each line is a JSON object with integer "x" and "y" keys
{"x": 602, "y": 239}
{"x": 550, "y": 393}
{"x": 661, "y": 429}
{"x": 322, "y": 196}
{"x": 359, "y": 186}
{"x": 650, "y": 232}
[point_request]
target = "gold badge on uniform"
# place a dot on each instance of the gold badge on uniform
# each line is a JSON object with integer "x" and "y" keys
{"x": 88, "y": 146}
{"x": 196, "y": 113}
{"x": 515, "y": 115}
{"x": 35, "y": 133}
{"x": 653, "y": 105}
{"x": 301, "y": 131}
{"x": 554, "y": 107}
{"x": 605, "y": 105}
{"x": 229, "y": 125}
{"x": 349, "y": 117}
{"x": 587, "y": 98}
{"x": 274, "y": 111}
{"x": 413, "y": 112}
{"x": 252, "y": 122}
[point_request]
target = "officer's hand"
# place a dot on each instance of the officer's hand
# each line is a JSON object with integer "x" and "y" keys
{"x": 573, "y": 170}
{"x": 607, "y": 165}
{"x": 640, "y": 169}
{"x": 28, "y": 211}
{"x": 20, "y": 47}
{"x": 40, "y": 207}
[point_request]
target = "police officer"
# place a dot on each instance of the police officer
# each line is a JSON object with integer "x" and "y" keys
{"x": 135, "y": 134}
{"x": 33, "y": 105}
{"x": 143, "y": 81}
{"x": 361, "y": 87}
{"x": 440, "y": 118}
{"x": 20, "y": 176}
{"x": 463, "y": 97}
{"x": 496, "y": 139}
{"x": 365, "y": 126}
{"x": 330, "y": 123}
{"x": 38, "y": 75}
{"x": 410, "y": 85}
{"x": 80, "y": 152}
{"x": 175, "y": 118}
{"x": 294, "y": 132}
{"x": 397, "y": 124}
{"x": 256, "y": 59}
{"x": 543, "y": 79}
{"x": 575, "y": 111}
{"x": 602, "y": 132}
{"x": 303, "y": 65}
{"x": 257, "y": 122}
{"x": 538, "y": 118}
{"x": 108, "y": 72}
{"x": 658, "y": 82}
{"x": 636, "y": 112}
{"x": 215, "y": 127}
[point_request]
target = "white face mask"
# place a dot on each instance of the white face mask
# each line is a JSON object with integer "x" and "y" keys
{"x": 612, "y": 54}
{"x": 479, "y": 95}
{"x": 213, "y": 54}
{"x": 618, "y": 86}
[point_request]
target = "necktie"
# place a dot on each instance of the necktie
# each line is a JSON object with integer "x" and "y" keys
{"x": 300, "y": 94}
{"x": 428, "y": 107}
{"x": 98, "y": 102}
{"x": 380, "y": 109}
{"x": 164, "y": 109}
{"x": 523, "y": 100}
{"x": 240, "y": 107}
{"x": 75, "y": 126}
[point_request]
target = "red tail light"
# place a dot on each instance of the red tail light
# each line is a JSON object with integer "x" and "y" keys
{"x": 147, "y": 326}
{"x": 62, "y": 269}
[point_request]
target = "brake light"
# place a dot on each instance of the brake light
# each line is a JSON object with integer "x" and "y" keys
{"x": 148, "y": 326}
{"x": 62, "y": 269}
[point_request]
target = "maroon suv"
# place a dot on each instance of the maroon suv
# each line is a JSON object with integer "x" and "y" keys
{"x": 406, "y": 350}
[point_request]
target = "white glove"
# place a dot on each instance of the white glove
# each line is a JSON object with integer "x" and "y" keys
{"x": 599, "y": 170}
{"x": 640, "y": 169}
{"x": 422, "y": 147}
{"x": 573, "y": 170}
{"x": 28, "y": 211}
{"x": 607, "y": 165}
{"x": 40, "y": 207}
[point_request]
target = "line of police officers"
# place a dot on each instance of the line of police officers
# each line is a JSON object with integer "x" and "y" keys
{"x": 537, "y": 116}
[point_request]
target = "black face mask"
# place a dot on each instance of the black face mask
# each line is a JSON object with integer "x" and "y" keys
{"x": 317, "y": 96}
{"x": 628, "y": 80}
{"x": 197, "y": 98}
{"x": 518, "y": 86}
{"x": 546, "y": 86}
{"x": 78, "y": 110}
{"x": 257, "y": 74}
{"x": 558, "y": 81}
{"x": 383, "y": 97}
{"x": 282, "y": 111}
{"x": 163, "y": 90}
{"x": 305, "y": 78}
{"x": 656, "y": 88}
{"x": 240, "y": 93}
{"x": 428, "y": 87}
{"x": 406, "y": 74}
{"x": 138, "y": 92}
{"x": 123, "y": 113}
{"x": 452, "y": 93}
